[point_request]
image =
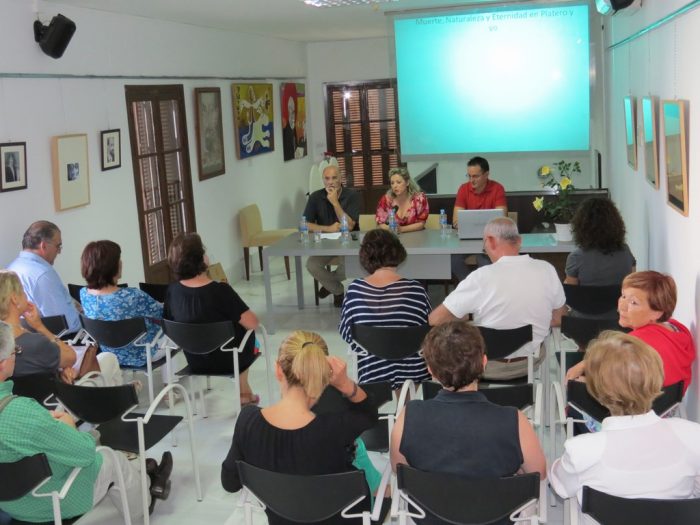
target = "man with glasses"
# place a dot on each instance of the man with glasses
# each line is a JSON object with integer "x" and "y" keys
{"x": 41, "y": 245}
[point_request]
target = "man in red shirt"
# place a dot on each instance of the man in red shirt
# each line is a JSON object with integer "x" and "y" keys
{"x": 479, "y": 193}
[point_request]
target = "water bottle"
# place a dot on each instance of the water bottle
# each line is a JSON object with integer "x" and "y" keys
{"x": 344, "y": 230}
{"x": 443, "y": 224}
{"x": 303, "y": 230}
{"x": 393, "y": 225}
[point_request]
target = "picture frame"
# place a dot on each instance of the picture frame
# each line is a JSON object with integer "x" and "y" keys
{"x": 631, "y": 130}
{"x": 676, "y": 150}
{"x": 253, "y": 119}
{"x": 71, "y": 171}
{"x": 111, "y": 151}
{"x": 293, "y": 112}
{"x": 209, "y": 132}
{"x": 13, "y": 166}
{"x": 650, "y": 140}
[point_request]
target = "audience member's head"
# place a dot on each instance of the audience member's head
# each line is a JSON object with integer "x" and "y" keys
{"x": 381, "y": 249}
{"x": 647, "y": 297}
{"x": 598, "y": 225}
{"x": 501, "y": 238}
{"x": 455, "y": 354}
{"x": 44, "y": 239}
{"x": 186, "y": 256}
{"x": 302, "y": 361}
{"x": 400, "y": 182}
{"x": 623, "y": 373}
{"x": 10, "y": 287}
{"x": 100, "y": 264}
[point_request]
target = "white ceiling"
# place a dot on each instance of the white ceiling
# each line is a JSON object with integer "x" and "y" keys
{"x": 287, "y": 19}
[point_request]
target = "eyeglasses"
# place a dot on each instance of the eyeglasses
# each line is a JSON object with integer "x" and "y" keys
{"x": 58, "y": 246}
{"x": 17, "y": 351}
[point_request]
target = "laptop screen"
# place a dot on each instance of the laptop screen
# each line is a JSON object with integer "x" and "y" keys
{"x": 471, "y": 223}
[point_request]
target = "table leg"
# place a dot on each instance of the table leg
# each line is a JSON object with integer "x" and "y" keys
{"x": 300, "y": 282}
{"x": 270, "y": 325}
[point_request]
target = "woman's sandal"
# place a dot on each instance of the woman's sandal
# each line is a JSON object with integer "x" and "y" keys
{"x": 250, "y": 399}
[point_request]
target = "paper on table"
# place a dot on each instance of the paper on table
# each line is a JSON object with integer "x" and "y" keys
{"x": 335, "y": 235}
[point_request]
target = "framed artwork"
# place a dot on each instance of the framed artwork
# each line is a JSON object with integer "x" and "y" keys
{"x": 650, "y": 140}
{"x": 111, "y": 141}
{"x": 676, "y": 149}
{"x": 210, "y": 132}
{"x": 13, "y": 170}
{"x": 631, "y": 131}
{"x": 253, "y": 119}
{"x": 293, "y": 100}
{"x": 71, "y": 171}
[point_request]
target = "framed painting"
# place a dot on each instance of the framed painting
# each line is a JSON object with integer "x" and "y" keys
{"x": 210, "y": 132}
{"x": 13, "y": 170}
{"x": 111, "y": 141}
{"x": 650, "y": 140}
{"x": 293, "y": 110}
{"x": 253, "y": 119}
{"x": 676, "y": 149}
{"x": 71, "y": 171}
{"x": 631, "y": 131}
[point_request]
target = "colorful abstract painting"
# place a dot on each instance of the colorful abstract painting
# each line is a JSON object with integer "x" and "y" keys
{"x": 253, "y": 119}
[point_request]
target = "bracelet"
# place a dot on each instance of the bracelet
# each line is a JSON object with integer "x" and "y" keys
{"x": 353, "y": 393}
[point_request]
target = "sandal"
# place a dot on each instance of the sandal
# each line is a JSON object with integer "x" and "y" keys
{"x": 250, "y": 399}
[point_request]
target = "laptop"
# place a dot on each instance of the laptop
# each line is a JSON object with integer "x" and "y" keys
{"x": 471, "y": 223}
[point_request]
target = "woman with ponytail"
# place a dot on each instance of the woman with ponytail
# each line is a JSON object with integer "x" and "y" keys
{"x": 288, "y": 437}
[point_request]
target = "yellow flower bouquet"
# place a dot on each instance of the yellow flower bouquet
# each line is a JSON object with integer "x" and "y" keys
{"x": 561, "y": 209}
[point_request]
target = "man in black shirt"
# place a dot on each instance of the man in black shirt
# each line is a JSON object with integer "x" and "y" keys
{"x": 324, "y": 211}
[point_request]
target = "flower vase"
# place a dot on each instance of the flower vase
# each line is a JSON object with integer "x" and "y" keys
{"x": 563, "y": 232}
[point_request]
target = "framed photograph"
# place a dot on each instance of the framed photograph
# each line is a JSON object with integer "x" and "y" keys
{"x": 650, "y": 140}
{"x": 111, "y": 141}
{"x": 210, "y": 132}
{"x": 71, "y": 171}
{"x": 253, "y": 119}
{"x": 13, "y": 170}
{"x": 631, "y": 131}
{"x": 293, "y": 97}
{"x": 676, "y": 149}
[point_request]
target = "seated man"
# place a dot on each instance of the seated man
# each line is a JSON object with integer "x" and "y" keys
{"x": 27, "y": 428}
{"x": 324, "y": 211}
{"x": 479, "y": 193}
{"x": 515, "y": 290}
{"x": 41, "y": 244}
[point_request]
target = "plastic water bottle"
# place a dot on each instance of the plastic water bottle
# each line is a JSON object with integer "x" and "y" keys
{"x": 344, "y": 230}
{"x": 393, "y": 225}
{"x": 443, "y": 224}
{"x": 303, "y": 230}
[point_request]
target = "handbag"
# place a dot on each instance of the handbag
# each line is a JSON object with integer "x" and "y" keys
{"x": 90, "y": 363}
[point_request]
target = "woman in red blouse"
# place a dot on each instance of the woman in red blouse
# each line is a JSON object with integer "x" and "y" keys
{"x": 406, "y": 199}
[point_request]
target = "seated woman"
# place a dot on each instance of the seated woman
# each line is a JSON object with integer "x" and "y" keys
{"x": 460, "y": 432}
{"x": 406, "y": 199}
{"x": 101, "y": 267}
{"x": 601, "y": 257}
{"x": 384, "y": 298}
{"x": 636, "y": 454}
{"x": 288, "y": 437}
{"x": 198, "y": 299}
{"x": 646, "y": 305}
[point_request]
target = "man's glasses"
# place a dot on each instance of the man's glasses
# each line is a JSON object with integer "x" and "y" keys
{"x": 58, "y": 246}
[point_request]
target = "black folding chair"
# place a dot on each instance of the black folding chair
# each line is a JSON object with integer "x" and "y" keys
{"x": 614, "y": 510}
{"x": 518, "y": 396}
{"x": 457, "y": 500}
{"x": 311, "y": 499}
{"x": 112, "y": 410}
{"x": 74, "y": 290}
{"x": 592, "y": 300}
{"x": 205, "y": 338}
{"x": 39, "y": 387}
{"x": 157, "y": 291}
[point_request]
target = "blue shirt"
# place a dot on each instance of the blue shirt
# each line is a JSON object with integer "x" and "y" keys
{"x": 44, "y": 288}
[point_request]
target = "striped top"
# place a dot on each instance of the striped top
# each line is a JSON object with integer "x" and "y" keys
{"x": 401, "y": 303}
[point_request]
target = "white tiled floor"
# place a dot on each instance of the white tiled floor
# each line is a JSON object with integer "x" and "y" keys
{"x": 213, "y": 434}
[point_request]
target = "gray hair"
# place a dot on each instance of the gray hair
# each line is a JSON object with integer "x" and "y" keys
{"x": 504, "y": 229}
{"x": 37, "y": 233}
{"x": 7, "y": 341}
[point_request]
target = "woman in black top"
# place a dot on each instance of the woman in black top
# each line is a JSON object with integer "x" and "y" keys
{"x": 198, "y": 299}
{"x": 288, "y": 437}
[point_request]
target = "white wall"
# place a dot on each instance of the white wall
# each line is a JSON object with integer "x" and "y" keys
{"x": 35, "y": 109}
{"x": 660, "y": 63}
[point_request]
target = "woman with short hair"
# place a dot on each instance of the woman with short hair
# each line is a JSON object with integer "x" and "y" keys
{"x": 405, "y": 197}
{"x": 636, "y": 454}
{"x": 196, "y": 298}
{"x": 384, "y": 298}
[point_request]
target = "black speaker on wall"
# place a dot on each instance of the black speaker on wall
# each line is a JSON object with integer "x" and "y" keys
{"x": 53, "y": 39}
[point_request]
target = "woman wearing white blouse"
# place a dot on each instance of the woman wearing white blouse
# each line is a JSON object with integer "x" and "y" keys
{"x": 636, "y": 454}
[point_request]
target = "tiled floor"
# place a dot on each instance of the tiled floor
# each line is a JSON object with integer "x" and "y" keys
{"x": 213, "y": 434}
